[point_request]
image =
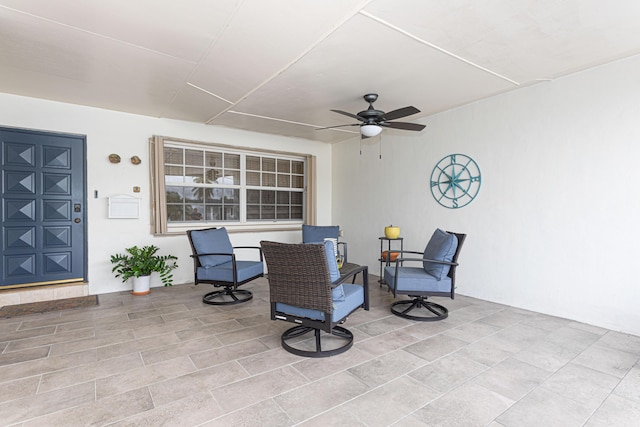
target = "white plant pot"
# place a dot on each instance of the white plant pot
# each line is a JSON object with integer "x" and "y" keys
{"x": 141, "y": 285}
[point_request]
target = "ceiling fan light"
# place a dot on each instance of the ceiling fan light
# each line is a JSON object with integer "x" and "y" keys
{"x": 370, "y": 130}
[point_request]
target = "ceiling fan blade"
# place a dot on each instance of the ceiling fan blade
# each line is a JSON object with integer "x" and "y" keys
{"x": 400, "y": 112}
{"x": 403, "y": 125}
{"x": 349, "y": 115}
{"x": 338, "y": 126}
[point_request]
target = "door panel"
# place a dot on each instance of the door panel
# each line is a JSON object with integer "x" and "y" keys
{"x": 43, "y": 215}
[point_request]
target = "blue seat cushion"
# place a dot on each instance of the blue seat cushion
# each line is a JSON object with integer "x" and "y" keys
{"x": 441, "y": 247}
{"x": 224, "y": 272}
{"x": 353, "y": 298}
{"x": 214, "y": 240}
{"x": 415, "y": 279}
{"x": 317, "y": 233}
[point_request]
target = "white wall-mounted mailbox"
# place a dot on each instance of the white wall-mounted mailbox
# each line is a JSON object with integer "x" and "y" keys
{"x": 124, "y": 206}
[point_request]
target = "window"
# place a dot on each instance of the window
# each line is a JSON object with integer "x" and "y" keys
{"x": 204, "y": 183}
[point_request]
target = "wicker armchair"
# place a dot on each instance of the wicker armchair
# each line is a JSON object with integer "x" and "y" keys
{"x": 307, "y": 289}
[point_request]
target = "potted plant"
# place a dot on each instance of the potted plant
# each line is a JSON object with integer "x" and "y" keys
{"x": 139, "y": 263}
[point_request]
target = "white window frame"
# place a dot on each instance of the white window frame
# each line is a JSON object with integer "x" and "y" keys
{"x": 160, "y": 225}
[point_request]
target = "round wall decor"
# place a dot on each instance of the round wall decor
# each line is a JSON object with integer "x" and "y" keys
{"x": 455, "y": 181}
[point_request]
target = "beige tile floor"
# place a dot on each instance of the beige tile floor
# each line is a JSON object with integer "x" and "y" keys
{"x": 167, "y": 359}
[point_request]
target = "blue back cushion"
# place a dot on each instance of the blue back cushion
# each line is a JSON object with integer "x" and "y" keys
{"x": 338, "y": 294}
{"x": 441, "y": 247}
{"x": 317, "y": 233}
{"x": 334, "y": 273}
{"x": 212, "y": 241}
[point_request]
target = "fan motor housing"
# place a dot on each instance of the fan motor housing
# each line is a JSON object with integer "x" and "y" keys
{"x": 371, "y": 114}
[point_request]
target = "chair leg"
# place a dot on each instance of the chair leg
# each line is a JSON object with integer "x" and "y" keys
{"x": 227, "y": 296}
{"x": 298, "y": 331}
{"x": 437, "y": 311}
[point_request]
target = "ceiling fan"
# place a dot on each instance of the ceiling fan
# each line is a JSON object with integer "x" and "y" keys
{"x": 372, "y": 120}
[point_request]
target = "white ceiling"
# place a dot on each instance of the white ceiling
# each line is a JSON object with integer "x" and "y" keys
{"x": 279, "y": 66}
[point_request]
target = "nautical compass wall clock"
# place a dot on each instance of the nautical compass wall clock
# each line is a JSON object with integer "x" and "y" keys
{"x": 455, "y": 181}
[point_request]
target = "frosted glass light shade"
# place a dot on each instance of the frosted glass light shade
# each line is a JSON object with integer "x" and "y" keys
{"x": 370, "y": 130}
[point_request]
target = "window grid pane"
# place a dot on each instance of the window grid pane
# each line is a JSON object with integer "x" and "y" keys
{"x": 284, "y": 166}
{"x": 297, "y": 181}
{"x": 297, "y": 167}
{"x": 268, "y": 179}
{"x": 194, "y": 175}
{"x": 173, "y": 156}
{"x": 284, "y": 180}
{"x": 214, "y": 159}
{"x": 253, "y": 163}
{"x": 253, "y": 178}
{"x": 173, "y": 174}
{"x": 232, "y": 161}
{"x": 194, "y": 157}
{"x": 268, "y": 164}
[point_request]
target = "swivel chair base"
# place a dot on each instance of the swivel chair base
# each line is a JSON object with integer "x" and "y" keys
{"x": 227, "y": 296}
{"x": 437, "y": 312}
{"x": 297, "y": 331}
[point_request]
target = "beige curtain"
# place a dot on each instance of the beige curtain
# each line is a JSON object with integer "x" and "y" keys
{"x": 310, "y": 195}
{"x": 158, "y": 193}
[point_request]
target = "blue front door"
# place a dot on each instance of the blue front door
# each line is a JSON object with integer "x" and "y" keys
{"x": 43, "y": 208}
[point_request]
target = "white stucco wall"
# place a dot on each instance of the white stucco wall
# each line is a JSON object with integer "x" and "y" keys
{"x": 555, "y": 227}
{"x": 127, "y": 135}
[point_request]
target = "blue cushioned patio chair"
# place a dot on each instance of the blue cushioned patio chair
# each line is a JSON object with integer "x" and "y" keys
{"x": 307, "y": 289}
{"x": 317, "y": 234}
{"x": 214, "y": 262}
{"x": 436, "y": 277}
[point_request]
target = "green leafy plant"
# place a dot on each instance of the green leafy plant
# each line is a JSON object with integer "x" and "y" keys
{"x": 143, "y": 261}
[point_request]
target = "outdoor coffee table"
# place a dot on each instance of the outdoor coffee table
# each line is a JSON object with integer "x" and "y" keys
{"x": 347, "y": 268}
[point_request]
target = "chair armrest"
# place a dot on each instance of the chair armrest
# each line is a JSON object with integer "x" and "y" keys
{"x": 362, "y": 269}
{"x": 211, "y": 253}
{"x": 197, "y": 263}
{"x": 409, "y": 252}
{"x": 251, "y": 247}
{"x": 400, "y": 255}
{"x": 399, "y": 260}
